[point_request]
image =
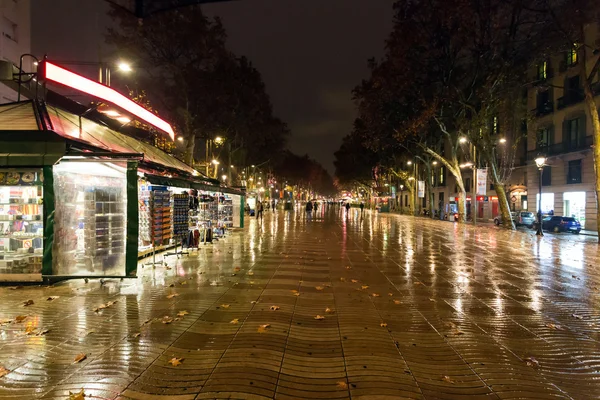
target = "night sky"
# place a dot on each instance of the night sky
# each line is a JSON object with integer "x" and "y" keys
{"x": 311, "y": 53}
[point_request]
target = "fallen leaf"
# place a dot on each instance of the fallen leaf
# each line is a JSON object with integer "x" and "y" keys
{"x": 52, "y": 298}
{"x": 397, "y": 302}
{"x": 274, "y": 308}
{"x": 375, "y": 294}
{"x": 446, "y": 378}
{"x": 168, "y": 268}
{"x": 235, "y": 321}
{"x": 225, "y": 306}
{"x": 29, "y": 330}
{"x": 531, "y": 362}
{"x": 172, "y": 285}
{"x": 43, "y": 332}
{"x": 184, "y": 283}
{"x": 342, "y": 385}
{"x": 20, "y": 318}
{"x": 319, "y": 317}
{"x": 250, "y": 273}
{"x": 167, "y": 320}
{"x": 263, "y": 328}
{"x": 417, "y": 283}
{"x": 554, "y": 326}
{"x": 5, "y": 321}
{"x": 3, "y": 371}
{"x": 237, "y": 269}
{"x": 577, "y": 316}
{"x": 27, "y": 303}
{"x": 458, "y": 332}
{"x": 253, "y": 302}
{"x": 182, "y": 313}
{"x": 319, "y": 287}
{"x": 77, "y": 396}
{"x": 342, "y": 279}
{"x": 79, "y": 358}
{"x": 329, "y": 310}
{"x": 175, "y": 361}
{"x": 354, "y": 280}
{"x": 172, "y": 295}
{"x": 383, "y": 324}
{"x": 390, "y": 294}
{"x": 432, "y": 300}
{"x": 348, "y": 267}
{"x": 364, "y": 286}
{"x": 136, "y": 335}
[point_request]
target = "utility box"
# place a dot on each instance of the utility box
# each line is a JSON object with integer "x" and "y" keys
{"x": 6, "y": 70}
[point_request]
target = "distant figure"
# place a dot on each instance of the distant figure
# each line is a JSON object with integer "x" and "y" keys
{"x": 259, "y": 210}
{"x": 309, "y": 208}
{"x": 273, "y": 204}
{"x": 347, "y": 207}
{"x": 316, "y": 206}
{"x": 362, "y": 207}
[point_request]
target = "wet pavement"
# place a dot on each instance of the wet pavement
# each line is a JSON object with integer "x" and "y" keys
{"x": 380, "y": 307}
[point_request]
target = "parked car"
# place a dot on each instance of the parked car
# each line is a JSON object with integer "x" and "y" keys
{"x": 561, "y": 224}
{"x": 525, "y": 218}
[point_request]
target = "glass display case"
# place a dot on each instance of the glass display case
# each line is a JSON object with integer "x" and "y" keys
{"x": 21, "y": 223}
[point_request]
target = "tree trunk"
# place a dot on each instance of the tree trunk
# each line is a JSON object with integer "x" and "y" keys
{"x": 190, "y": 148}
{"x": 590, "y": 102}
{"x": 507, "y": 221}
{"x": 411, "y": 201}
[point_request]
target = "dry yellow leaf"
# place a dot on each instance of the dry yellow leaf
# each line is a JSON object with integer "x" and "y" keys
{"x": 167, "y": 320}
{"x": 319, "y": 317}
{"x": 383, "y": 324}
{"x": 446, "y": 378}
{"x": 29, "y": 330}
{"x": 52, "y": 298}
{"x": 226, "y": 306}
{"x": 250, "y": 273}
{"x": 175, "y": 361}
{"x": 390, "y": 294}
{"x": 172, "y": 295}
{"x": 235, "y": 321}
{"x": 43, "y": 332}
{"x": 354, "y": 280}
{"x": 417, "y": 283}
{"x": 138, "y": 334}
{"x": 375, "y": 294}
{"x": 397, "y": 302}
{"x": 365, "y": 286}
{"x": 343, "y": 279}
{"x": 3, "y": 371}
{"x": 274, "y": 308}
{"x": 182, "y": 313}
{"x": 263, "y": 328}
{"x": 236, "y": 269}
{"x": 172, "y": 285}
{"x": 348, "y": 267}
{"x": 27, "y": 303}
{"x": 342, "y": 385}
{"x": 79, "y": 358}
{"x": 77, "y": 396}
{"x": 319, "y": 287}
{"x": 328, "y": 310}
{"x": 184, "y": 283}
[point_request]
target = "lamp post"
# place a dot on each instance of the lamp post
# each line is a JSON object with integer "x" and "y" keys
{"x": 540, "y": 162}
{"x": 416, "y": 186}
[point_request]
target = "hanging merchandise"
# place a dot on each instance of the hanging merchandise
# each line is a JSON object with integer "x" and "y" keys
{"x": 421, "y": 189}
{"x": 180, "y": 214}
{"x": 160, "y": 210}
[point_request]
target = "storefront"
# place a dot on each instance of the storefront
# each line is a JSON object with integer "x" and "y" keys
{"x": 574, "y": 206}
{"x": 547, "y": 203}
{"x": 78, "y": 198}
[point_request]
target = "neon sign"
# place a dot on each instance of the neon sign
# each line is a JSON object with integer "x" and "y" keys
{"x": 65, "y": 77}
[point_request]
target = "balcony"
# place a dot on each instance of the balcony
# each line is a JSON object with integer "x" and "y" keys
{"x": 544, "y": 109}
{"x": 561, "y": 148}
{"x": 574, "y": 97}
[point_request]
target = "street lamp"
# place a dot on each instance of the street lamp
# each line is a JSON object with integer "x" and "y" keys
{"x": 540, "y": 162}
{"x": 124, "y": 67}
{"x": 215, "y": 162}
{"x": 462, "y": 140}
{"x": 502, "y": 140}
{"x": 180, "y": 138}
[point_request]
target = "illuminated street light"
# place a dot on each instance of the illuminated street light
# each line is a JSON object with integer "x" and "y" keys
{"x": 409, "y": 163}
{"x": 219, "y": 140}
{"x": 502, "y": 140}
{"x": 124, "y": 67}
{"x": 434, "y": 163}
{"x": 215, "y": 162}
{"x": 224, "y": 177}
{"x": 462, "y": 140}
{"x": 180, "y": 138}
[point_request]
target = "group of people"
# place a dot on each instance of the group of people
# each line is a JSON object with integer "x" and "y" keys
{"x": 310, "y": 206}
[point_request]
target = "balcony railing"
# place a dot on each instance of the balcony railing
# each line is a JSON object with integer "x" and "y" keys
{"x": 574, "y": 97}
{"x": 561, "y": 148}
{"x": 544, "y": 109}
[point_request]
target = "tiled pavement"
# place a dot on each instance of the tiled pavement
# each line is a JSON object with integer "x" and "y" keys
{"x": 413, "y": 309}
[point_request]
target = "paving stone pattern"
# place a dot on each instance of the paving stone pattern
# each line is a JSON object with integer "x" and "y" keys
{"x": 412, "y": 309}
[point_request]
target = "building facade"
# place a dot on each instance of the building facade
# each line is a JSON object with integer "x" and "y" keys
{"x": 15, "y": 26}
{"x": 562, "y": 132}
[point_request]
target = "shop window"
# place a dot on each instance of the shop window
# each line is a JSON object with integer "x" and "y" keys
{"x": 547, "y": 176}
{"x": 574, "y": 174}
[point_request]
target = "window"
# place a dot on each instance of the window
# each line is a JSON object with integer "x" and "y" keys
{"x": 442, "y": 176}
{"x": 495, "y": 128}
{"x": 542, "y": 71}
{"x": 10, "y": 29}
{"x": 544, "y": 138}
{"x": 574, "y": 174}
{"x": 572, "y": 56}
{"x": 544, "y": 102}
{"x": 574, "y": 137}
{"x": 491, "y": 186}
{"x": 546, "y": 176}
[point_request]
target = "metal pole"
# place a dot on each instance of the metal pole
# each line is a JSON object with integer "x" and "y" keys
{"x": 416, "y": 210}
{"x": 539, "y": 229}
{"x": 206, "y": 156}
{"x": 474, "y": 199}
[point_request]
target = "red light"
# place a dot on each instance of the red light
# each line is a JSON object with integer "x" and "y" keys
{"x": 71, "y": 79}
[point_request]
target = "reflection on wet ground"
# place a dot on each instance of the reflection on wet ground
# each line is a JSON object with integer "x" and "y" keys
{"x": 371, "y": 307}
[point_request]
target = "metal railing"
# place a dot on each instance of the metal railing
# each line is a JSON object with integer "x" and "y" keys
{"x": 561, "y": 148}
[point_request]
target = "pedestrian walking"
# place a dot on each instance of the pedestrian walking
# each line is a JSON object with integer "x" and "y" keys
{"x": 273, "y": 204}
{"x": 347, "y": 208}
{"x": 259, "y": 210}
{"x": 309, "y": 208}
{"x": 362, "y": 207}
